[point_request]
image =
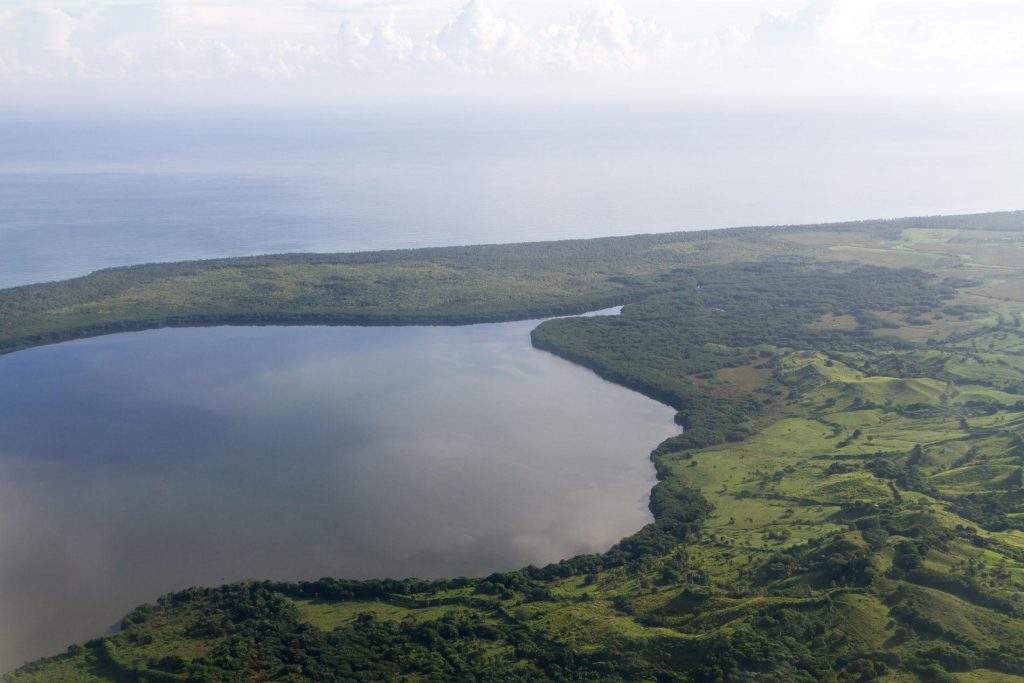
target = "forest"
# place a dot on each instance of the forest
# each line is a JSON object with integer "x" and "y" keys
{"x": 845, "y": 502}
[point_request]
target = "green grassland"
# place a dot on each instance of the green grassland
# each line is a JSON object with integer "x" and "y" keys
{"x": 845, "y": 503}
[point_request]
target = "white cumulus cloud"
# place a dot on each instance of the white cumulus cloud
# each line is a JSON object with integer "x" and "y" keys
{"x": 479, "y": 41}
{"x": 808, "y": 47}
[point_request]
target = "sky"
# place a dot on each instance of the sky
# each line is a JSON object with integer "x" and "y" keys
{"x": 75, "y": 52}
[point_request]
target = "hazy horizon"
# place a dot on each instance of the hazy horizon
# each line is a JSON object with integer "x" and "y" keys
{"x": 81, "y": 193}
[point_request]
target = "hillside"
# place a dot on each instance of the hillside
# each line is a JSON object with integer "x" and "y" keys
{"x": 846, "y": 501}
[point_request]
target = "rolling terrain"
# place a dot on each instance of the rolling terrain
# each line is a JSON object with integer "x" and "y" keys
{"x": 846, "y": 501}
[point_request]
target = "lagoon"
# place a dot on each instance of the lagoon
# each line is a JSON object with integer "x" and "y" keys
{"x": 136, "y": 464}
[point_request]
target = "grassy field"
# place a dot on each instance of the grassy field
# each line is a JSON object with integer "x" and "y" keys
{"x": 845, "y": 503}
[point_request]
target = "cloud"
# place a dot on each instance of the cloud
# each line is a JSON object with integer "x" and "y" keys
{"x": 610, "y": 39}
{"x": 867, "y": 46}
{"x": 168, "y": 40}
{"x": 37, "y": 41}
{"x": 820, "y": 22}
{"x": 477, "y": 41}
{"x": 382, "y": 47}
{"x": 811, "y": 47}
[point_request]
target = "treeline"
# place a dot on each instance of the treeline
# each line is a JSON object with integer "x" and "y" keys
{"x": 451, "y": 285}
{"x": 259, "y": 635}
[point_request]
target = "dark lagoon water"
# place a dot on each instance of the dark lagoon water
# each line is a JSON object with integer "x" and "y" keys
{"x": 137, "y": 464}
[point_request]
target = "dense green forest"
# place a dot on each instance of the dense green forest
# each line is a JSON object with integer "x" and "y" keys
{"x": 452, "y": 285}
{"x": 845, "y": 503}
